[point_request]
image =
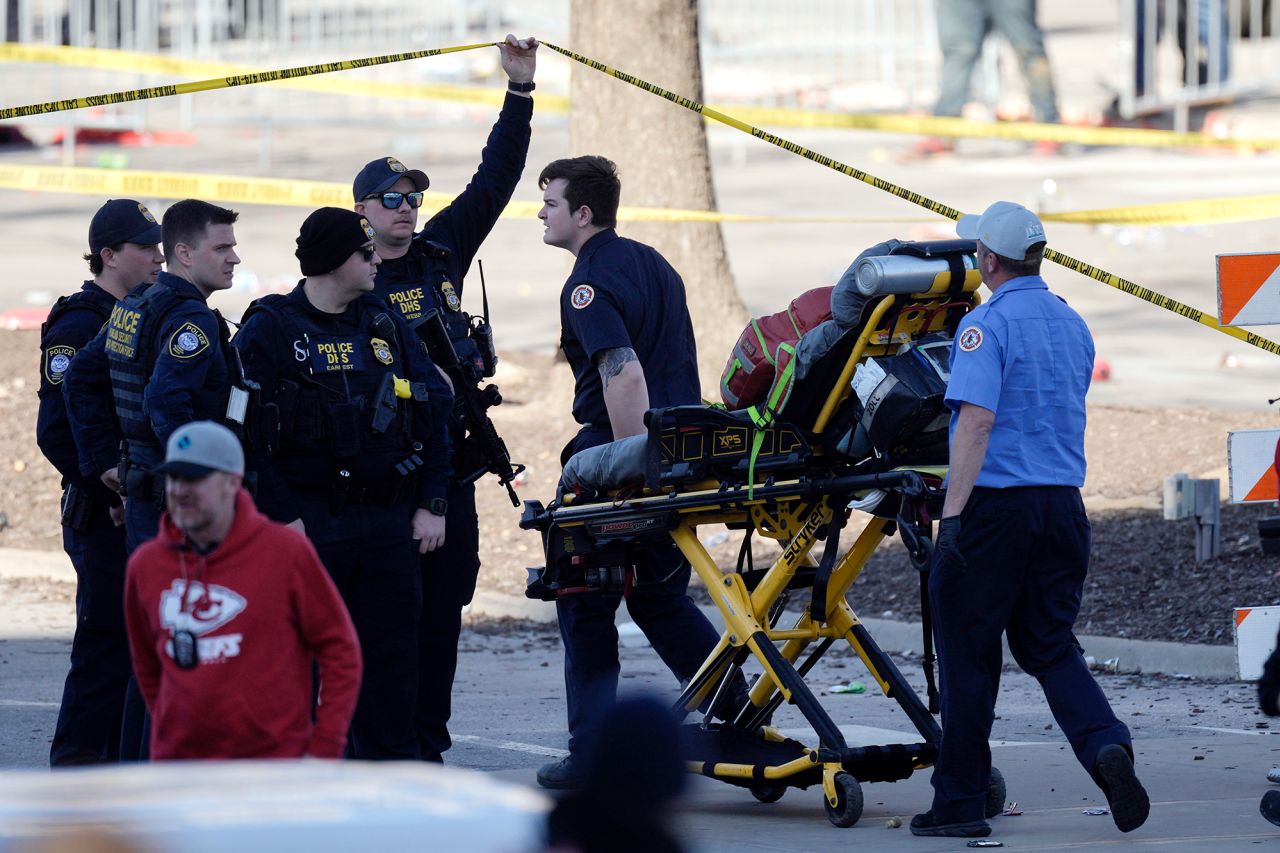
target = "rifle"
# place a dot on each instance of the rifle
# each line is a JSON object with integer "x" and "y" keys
{"x": 471, "y": 405}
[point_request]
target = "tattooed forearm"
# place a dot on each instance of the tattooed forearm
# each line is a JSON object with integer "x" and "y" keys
{"x": 611, "y": 361}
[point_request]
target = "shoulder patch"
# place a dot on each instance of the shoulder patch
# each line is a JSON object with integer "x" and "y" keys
{"x": 188, "y": 341}
{"x": 970, "y": 339}
{"x": 56, "y": 361}
{"x": 582, "y": 296}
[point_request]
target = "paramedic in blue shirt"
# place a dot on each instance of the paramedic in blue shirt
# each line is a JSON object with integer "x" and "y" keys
{"x": 626, "y": 332}
{"x": 1013, "y": 543}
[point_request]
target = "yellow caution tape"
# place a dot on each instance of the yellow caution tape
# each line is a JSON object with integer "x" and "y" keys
{"x": 927, "y": 203}
{"x": 150, "y": 63}
{"x": 1207, "y": 211}
{"x": 227, "y": 82}
{"x": 289, "y": 192}
{"x": 147, "y": 63}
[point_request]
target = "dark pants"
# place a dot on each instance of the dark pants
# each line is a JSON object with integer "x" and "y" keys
{"x": 448, "y": 584}
{"x": 1026, "y": 552}
{"x": 660, "y": 605}
{"x": 88, "y": 727}
{"x": 962, "y": 27}
{"x": 373, "y": 560}
{"x": 141, "y": 524}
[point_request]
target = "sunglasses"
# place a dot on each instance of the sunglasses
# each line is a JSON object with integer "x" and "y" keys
{"x": 367, "y": 252}
{"x": 392, "y": 201}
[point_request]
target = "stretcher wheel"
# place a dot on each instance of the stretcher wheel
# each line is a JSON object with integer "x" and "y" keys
{"x": 768, "y": 793}
{"x": 848, "y": 807}
{"x": 996, "y": 793}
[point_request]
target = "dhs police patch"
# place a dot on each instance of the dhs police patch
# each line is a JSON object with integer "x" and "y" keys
{"x": 582, "y": 296}
{"x": 188, "y": 341}
{"x": 56, "y": 361}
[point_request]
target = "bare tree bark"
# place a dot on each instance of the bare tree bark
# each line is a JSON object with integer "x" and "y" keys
{"x": 660, "y": 149}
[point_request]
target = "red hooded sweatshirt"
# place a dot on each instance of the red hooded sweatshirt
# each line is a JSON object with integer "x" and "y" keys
{"x": 262, "y": 608}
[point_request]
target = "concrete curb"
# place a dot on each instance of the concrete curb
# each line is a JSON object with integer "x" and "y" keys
{"x": 1148, "y": 656}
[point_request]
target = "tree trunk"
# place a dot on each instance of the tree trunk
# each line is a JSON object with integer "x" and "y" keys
{"x": 660, "y": 149}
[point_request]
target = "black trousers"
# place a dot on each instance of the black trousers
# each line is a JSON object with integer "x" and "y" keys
{"x": 89, "y": 718}
{"x": 448, "y": 583}
{"x": 369, "y": 552}
{"x": 1026, "y": 554}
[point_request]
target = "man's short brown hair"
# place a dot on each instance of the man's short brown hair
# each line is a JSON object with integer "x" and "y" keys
{"x": 590, "y": 181}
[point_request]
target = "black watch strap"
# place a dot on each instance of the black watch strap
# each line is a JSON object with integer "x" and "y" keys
{"x": 513, "y": 86}
{"x": 438, "y": 506}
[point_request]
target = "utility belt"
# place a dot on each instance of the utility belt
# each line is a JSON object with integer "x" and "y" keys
{"x": 79, "y": 506}
{"x": 139, "y": 482}
{"x": 399, "y": 485}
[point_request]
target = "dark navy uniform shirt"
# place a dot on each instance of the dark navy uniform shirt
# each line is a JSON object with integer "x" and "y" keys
{"x": 340, "y": 358}
{"x": 1028, "y": 357}
{"x": 429, "y": 276}
{"x": 75, "y": 323}
{"x": 187, "y": 374}
{"x": 624, "y": 294}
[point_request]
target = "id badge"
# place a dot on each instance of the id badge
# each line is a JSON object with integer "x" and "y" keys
{"x": 237, "y": 404}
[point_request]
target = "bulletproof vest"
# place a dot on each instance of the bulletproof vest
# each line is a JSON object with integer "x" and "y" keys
{"x": 420, "y": 283}
{"x": 56, "y": 358}
{"x": 133, "y": 344}
{"x": 336, "y": 393}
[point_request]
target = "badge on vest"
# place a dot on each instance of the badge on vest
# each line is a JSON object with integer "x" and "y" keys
{"x": 381, "y": 351}
{"x": 582, "y": 296}
{"x": 56, "y": 361}
{"x": 188, "y": 341}
{"x": 450, "y": 295}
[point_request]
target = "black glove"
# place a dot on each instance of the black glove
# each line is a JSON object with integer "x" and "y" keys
{"x": 948, "y": 545}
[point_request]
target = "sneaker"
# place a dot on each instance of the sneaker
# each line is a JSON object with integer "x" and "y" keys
{"x": 1125, "y": 794}
{"x": 1273, "y": 775}
{"x": 1270, "y": 806}
{"x": 562, "y": 775}
{"x": 930, "y": 824}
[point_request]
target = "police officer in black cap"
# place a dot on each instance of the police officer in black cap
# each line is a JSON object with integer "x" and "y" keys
{"x": 124, "y": 252}
{"x": 360, "y": 459}
{"x": 160, "y": 362}
{"x": 421, "y": 275}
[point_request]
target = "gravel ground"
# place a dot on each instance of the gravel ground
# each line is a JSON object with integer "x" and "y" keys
{"x": 1143, "y": 584}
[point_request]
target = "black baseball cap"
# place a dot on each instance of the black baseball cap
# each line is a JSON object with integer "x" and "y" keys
{"x": 123, "y": 220}
{"x": 380, "y": 175}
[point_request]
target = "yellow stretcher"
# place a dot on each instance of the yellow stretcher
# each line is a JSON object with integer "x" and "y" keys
{"x": 796, "y": 488}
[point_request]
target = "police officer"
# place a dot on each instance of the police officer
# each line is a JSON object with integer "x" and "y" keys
{"x": 1013, "y": 543}
{"x": 423, "y": 273}
{"x": 361, "y": 459}
{"x": 626, "y": 332}
{"x": 124, "y": 253}
{"x": 160, "y": 362}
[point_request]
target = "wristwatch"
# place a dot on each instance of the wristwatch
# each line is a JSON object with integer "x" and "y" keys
{"x": 513, "y": 86}
{"x": 438, "y": 506}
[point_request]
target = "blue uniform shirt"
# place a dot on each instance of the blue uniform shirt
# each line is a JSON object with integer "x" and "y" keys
{"x": 1028, "y": 357}
{"x": 624, "y": 294}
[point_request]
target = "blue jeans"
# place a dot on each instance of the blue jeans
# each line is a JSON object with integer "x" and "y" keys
{"x": 962, "y": 27}
{"x": 1027, "y": 553}
{"x": 1204, "y": 8}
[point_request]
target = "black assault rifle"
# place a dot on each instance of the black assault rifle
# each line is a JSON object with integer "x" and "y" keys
{"x": 471, "y": 402}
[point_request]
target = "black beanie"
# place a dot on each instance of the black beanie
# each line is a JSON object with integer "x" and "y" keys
{"x": 328, "y": 237}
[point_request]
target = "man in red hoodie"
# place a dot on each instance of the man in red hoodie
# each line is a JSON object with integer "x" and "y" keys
{"x": 226, "y": 612}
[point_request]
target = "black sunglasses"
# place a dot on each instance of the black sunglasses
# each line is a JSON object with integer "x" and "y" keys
{"x": 392, "y": 201}
{"x": 367, "y": 252}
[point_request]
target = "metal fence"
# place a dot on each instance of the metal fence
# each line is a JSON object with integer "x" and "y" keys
{"x": 1185, "y": 53}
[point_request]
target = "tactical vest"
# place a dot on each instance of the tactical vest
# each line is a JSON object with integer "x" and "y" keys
{"x": 133, "y": 344}
{"x": 336, "y": 394}
{"x": 425, "y": 285}
{"x": 56, "y": 359}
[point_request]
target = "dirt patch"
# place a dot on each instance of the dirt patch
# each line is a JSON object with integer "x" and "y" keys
{"x": 1144, "y": 582}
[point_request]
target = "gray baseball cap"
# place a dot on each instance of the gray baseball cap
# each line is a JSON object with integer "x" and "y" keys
{"x": 1005, "y": 228}
{"x": 199, "y": 448}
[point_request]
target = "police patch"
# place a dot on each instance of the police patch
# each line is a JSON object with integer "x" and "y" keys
{"x": 395, "y": 165}
{"x": 146, "y": 214}
{"x": 381, "y": 351}
{"x": 56, "y": 361}
{"x": 188, "y": 341}
{"x": 368, "y": 229}
{"x": 582, "y": 296}
{"x": 970, "y": 339}
{"x": 450, "y": 296}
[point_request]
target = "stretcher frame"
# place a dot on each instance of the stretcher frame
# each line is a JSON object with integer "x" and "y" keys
{"x": 799, "y": 512}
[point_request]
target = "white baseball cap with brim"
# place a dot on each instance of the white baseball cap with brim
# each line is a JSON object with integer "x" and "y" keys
{"x": 197, "y": 449}
{"x": 1005, "y": 228}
